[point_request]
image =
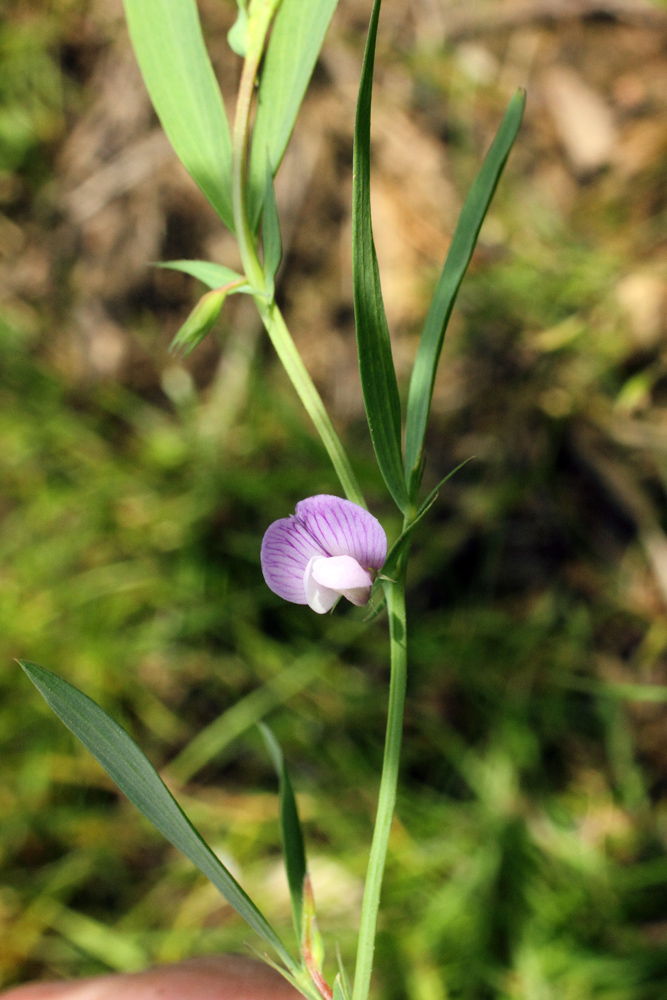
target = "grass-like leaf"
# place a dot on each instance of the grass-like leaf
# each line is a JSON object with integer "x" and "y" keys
{"x": 296, "y": 39}
{"x": 290, "y": 827}
{"x": 170, "y": 50}
{"x": 131, "y": 770}
{"x": 376, "y": 365}
{"x": 343, "y": 980}
{"x": 271, "y": 239}
{"x": 213, "y": 275}
{"x": 339, "y": 992}
{"x": 455, "y": 266}
{"x": 391, "y": 563}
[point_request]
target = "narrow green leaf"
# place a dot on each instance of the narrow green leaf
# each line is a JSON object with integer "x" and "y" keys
{"x": 300, "y": 980}
{"x": 213, "y": 275}
{"x": 290, "y": 826}
{"x": 455, "y": 266}
{"x": 131, "y": 770}
{"x": 345, "y": 984}
{"x": 394, "y": 555}
{"x": 339, "y": 990}
{"x": 391, "y": 563}
{"x": 376, "y": 366}
{"x": 170, "y": 50}
{"x": 271, "y": 239}
{"x": 296, "y": 39}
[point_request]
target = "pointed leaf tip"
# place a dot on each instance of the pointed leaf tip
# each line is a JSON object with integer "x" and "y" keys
{"x": 133, "y": 773}
{"x": 290, "y": 828}
{"x": 376, "y": 364}
{"x": 456, "y": 264}
{"x": 199, "y": 322}
{"x": 296, "y": 39}
{"x": 169, "y": 45}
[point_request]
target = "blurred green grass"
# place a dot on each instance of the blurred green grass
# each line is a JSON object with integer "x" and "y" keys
{"x": 528, "y": 856}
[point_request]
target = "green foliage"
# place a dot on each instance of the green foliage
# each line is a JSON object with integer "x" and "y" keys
{"x": 213, "y": 275}
{"x": 200, "y": 322}
{"x": 454, "y": 269}
{"x": 132, "y": 772}
{"x": 338, "y": 990}
{"x": 271, "y": 239}
{"x": 528, "y": 855}
{"x": 133, "y": 558}
{"x": 167, "y": 39}
{"x": 290, "y": 828}
{"x": 295, "y": 43}
{"x": 376, "y": 366}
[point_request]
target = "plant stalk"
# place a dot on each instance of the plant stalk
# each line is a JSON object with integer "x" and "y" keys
{"x": 258, "y": 28}
{"x": 395, "y": 593}
{"x": 254, "y": 273}
{"x": 298, "y": 373}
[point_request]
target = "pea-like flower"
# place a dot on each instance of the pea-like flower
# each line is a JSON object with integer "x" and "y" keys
{"x": 329, "y": 548}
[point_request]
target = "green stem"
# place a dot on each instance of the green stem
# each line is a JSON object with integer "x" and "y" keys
{"x": 309, "y": 396}
{"x": 395, "y": 593}
{"x": 268, "y": 310}
{"x": 258, "y": 30}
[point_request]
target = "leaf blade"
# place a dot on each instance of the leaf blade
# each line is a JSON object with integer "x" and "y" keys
{"x": 296, "y": 39}
{"x": 131, "y": 770}
{"x": 169, "y": 46}
{"x": 456, "y": 263}
{"x": 339, "y": 991}
{"x": 391, "y": 563}
{"x": 290, "y": 826}
{"x": 376, "y": 365}
{"x": 272, "y": 245}
{"x": 213, "y": 275}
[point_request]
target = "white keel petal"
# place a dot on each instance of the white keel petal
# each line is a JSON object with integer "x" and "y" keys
{"x": 321, "y": 599}
{"x": 340, "y": 573}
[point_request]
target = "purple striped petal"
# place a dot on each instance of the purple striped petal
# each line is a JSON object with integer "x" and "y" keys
{"x": 328, "y": 549}
{"x": 287, "y": 548}
{"x": 343, "y": 528}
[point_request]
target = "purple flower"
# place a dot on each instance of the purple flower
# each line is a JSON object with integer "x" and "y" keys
{"x": 328, "y": 549}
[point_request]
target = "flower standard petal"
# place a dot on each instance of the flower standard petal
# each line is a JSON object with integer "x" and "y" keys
{"x": 343, "y": 528}
{"x": 287, "y": 548}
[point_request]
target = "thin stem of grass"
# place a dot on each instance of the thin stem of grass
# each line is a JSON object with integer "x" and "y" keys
{"x": 395, "y": 593}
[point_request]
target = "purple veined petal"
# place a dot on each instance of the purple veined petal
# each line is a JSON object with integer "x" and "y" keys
{"x": 287, "y": 548}
{"x": 344, "y": 528}
{"x": 318, "y": 597}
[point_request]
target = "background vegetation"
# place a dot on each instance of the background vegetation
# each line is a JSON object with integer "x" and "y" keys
{"x": 528, "y": 859}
